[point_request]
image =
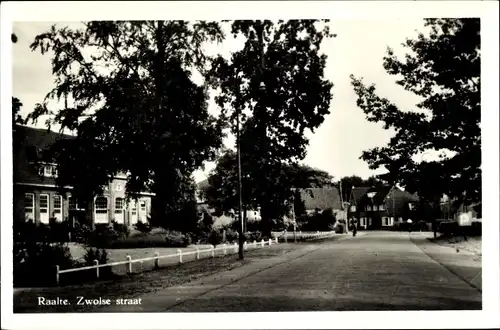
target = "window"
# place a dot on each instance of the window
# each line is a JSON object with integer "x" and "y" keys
{"x": 58, "y": 207}
{"x": 381, "y": 207}
{"x": 118, "y": 205}
{"x": 118, "y": 187}
{"x": 369, "y": 208}
{"x": 353, "y": 208}
{"x": 29, "y": 207}
{"x": 385, "y": 221}
{"x": 369, "y": 221}
{"x": 101, "y": 205}
{"x": 375, "y": 208}
{"x": 48, "y": 170}
{"x": 143, "y": 206}
{"x": 57, "y": 204}
{"x": 400, "y": 219}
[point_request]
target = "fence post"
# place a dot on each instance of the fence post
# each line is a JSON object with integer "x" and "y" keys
{"x": 235, "y": 247}
{"x": 197, "y": 254}
{"x": 255, "y": 243}
{"x": 57, "y": 274}
{"x": 129, "y": 265}
{"x": 262, "y": 242}
{"x": 270, "y": 242}
{"x": 157, "y": 254}
{"x": 96, "y": 263}
{"x": 276, "y": 239}
{"x": 224, "y": 247}
{"x": 245, "y": 246}
{"x": 285, "y": 236}
{"x": 213, "y": 251}
{"x": 180, "y": 255}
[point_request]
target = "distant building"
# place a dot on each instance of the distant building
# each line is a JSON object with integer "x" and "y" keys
{"x": 225, "y": 217}
{"x": 451, "y": 210}
{"x": 320, "y": 199}
{"x": 36, "y": 196}
{"x": 379, "y": 207}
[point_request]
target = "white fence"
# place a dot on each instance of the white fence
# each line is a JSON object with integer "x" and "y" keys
{"x": 198, "y": 253}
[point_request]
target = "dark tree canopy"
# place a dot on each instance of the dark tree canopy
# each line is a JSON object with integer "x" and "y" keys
{"x": 349, "y": 182}
{"x": 443, "y": 68}
{"x": 277, "y": 82}
{"x": 135, "y": 107}
{"x": 222, "y": 191}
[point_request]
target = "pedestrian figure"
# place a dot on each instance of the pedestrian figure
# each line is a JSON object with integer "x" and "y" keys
{"x": 354, "y": 229}
{"x": 409, "y": 225}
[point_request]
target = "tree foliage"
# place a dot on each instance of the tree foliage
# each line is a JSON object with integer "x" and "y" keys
{"x": 349, "y": 182}
{"x": 443, "y": 68}
{"x": 276, "y": 81}
{"x": 16, "y": 103}
{"x": 222, "y": 191}
{"x": 135, "y": 107}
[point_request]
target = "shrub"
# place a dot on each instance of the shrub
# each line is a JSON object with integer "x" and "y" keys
{"x": 139, "y": 241}
{"x": 81, "y": 233}
{"x": 231, "y": 235}
{"x": 102, "y": 236}
{"x": 58, "y": 231}
{"x": 253, "y": 236}
{"x": 215, "y": 238}
{"x": 120, "y": 229}
{"x": 36, "y": 266}
{"x": 340, "y": 228}
{"x": 143, "y": 227}
{"x": 176, "y": 239}
{"x": 101, "y": 256}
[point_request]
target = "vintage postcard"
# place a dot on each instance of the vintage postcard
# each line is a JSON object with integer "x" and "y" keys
{"x": 189, "y": 164}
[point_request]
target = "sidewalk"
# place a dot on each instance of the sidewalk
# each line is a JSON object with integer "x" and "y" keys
{"x": 464, "y": 264}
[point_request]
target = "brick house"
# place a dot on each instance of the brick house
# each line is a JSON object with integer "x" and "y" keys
{"x": 379, "y": 207}
{"x": 36, "y": 196}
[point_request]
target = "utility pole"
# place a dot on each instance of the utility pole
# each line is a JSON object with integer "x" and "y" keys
{"x": 240, "y": 199}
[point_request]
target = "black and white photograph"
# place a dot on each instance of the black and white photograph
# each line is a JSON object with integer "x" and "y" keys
{"x": 227, "y": 158}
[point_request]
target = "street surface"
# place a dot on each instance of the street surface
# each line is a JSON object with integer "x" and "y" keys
{"x": 373, "y": 271}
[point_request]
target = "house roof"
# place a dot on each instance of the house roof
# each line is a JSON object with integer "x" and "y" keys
{"x": 28, "y": 145}
{"x": 393, "y": 198}
{"x": 357, "y": 193}
{"x": 321, "y": 198}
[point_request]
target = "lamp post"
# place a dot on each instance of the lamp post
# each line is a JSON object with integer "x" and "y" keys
{"x": 241, "y": 239}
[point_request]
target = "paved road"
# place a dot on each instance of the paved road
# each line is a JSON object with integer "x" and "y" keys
{"x": 374, "y": 271}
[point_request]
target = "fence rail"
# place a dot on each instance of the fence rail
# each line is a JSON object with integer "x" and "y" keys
{"x": 225, "y": 248}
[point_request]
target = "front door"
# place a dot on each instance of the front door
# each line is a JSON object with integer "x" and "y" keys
{"x": 44, "y": 208}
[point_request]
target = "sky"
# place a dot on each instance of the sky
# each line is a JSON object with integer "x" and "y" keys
{"x": 338, "y": 143}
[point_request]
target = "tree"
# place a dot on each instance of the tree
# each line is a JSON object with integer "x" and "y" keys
{"x": 222, "y": 192}
{"x": 136, "y": 108}
{"x": 443, "y": 68}
{"x": 276, "y": 82}
{"x": 16, "y": 103}
{"x": 349, "y": 182}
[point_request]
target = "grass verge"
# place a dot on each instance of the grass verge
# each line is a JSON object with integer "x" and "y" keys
{"x": 136, "y": 285}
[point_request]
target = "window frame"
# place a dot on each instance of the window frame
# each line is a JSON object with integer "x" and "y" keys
{"x": 32, "y": 195}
